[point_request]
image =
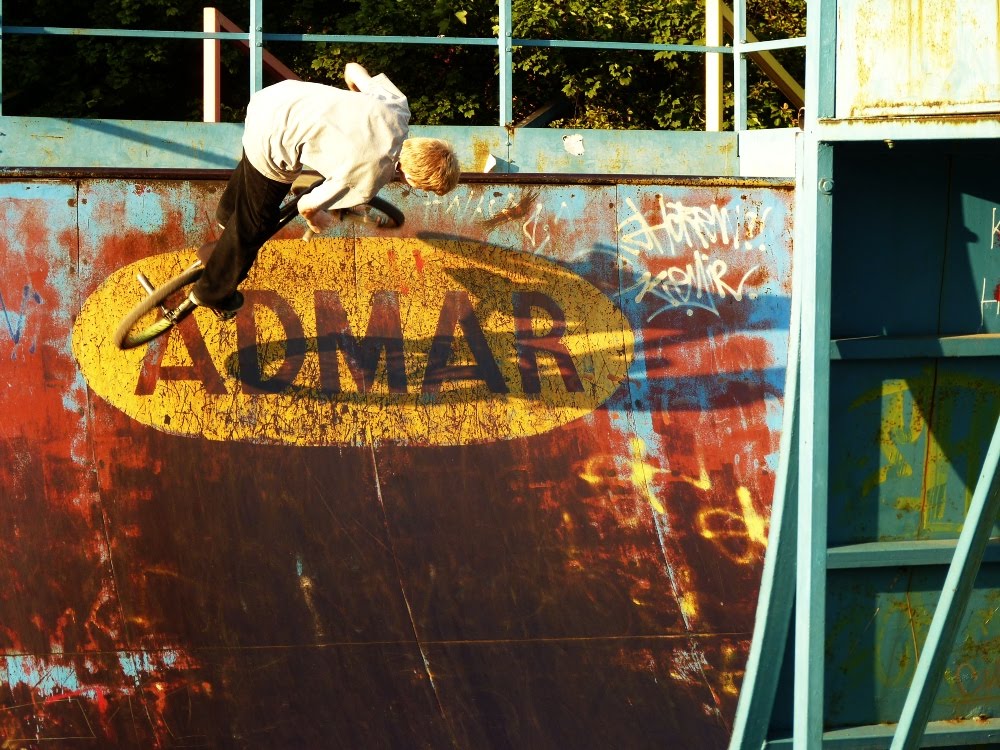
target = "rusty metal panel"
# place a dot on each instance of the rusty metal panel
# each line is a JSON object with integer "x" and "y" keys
{"x": 917, "y": 58}
{"x": 498, "y": 479}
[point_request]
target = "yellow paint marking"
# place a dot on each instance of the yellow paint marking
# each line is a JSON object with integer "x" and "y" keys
{"x": 703, "y": 482}
{"x": 689, "y": 605}
{"x": 643, "y": 474}
{"x": 738, "y": 534}
{"x": 449, "y": 343}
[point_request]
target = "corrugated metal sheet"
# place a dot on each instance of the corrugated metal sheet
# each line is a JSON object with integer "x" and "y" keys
{"x": 553, "y": 542}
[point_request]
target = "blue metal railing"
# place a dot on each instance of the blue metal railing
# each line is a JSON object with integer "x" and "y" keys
{"x": 504, "y": 42}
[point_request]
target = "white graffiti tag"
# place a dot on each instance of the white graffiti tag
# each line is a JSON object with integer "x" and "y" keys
{"x": 695, "y": 285}
{"x": 684, "y": 227}
{"x": 703, "y": 280}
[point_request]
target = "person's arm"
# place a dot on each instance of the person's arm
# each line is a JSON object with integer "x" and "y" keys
{"x": 356, "y": 77}
{"x": 315, "y": 205}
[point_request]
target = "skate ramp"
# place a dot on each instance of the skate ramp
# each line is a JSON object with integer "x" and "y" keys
{"x": 498, "y": 479}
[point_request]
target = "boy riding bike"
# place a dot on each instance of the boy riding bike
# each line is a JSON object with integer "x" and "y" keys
{"x": 356, "y": 139}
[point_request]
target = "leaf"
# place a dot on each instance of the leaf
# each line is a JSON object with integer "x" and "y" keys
{"x": 462, "y": 16}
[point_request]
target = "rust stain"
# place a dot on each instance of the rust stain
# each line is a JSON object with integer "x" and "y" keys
{"x": 519, "y": 210}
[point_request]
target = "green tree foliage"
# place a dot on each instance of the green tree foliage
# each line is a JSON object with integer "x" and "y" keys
{"x": 446, "y": 84}
{"x": 109, "y": 77}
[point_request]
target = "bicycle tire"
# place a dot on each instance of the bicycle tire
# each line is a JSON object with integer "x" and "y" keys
{"x": 394, "y": 217}
{"x": 124, "y": 338}
{"x": 388, "y": 216}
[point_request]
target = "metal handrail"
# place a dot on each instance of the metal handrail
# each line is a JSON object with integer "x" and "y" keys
{"x": 504, "y": 41}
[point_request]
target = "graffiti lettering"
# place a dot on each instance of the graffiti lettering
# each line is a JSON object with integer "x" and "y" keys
{"x": 985, "y": 303}
{"x": 975, "y": 683}
{"x": 695, "y": 285}
{"x": 501, "y": 209}
{"x": 705, "y": 279}
{"x": 532, "y": 236}
{"x": 686, "y": 227}
{"x": 894, "y": 414}
{"x": 902, "y": 424}
{"x": 514, "y": 210}
{"x": 995, "y": 233}
{"x": 15, "y": 321}
{"x": 739, "y": 535}
{"x": 494, "y": 208}
{"x": 731, "y": 676}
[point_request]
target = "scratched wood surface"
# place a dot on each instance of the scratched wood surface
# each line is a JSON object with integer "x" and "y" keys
{"x": 566, "y": 554}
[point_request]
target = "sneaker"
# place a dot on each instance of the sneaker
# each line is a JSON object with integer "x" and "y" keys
{"x": 227, "y": 309}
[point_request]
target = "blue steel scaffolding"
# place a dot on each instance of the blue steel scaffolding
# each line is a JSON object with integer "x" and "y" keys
{"x": 905, "y": 149}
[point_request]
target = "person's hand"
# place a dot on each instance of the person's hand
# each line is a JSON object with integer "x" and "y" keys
{"x": 318, "y": 220}
{"x": 355, "y": 76}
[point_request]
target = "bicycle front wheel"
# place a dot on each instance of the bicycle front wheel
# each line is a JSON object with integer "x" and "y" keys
{"x": 127, "y": 337}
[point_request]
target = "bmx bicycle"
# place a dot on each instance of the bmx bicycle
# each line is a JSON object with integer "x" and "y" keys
{"x": 139, "y": 327}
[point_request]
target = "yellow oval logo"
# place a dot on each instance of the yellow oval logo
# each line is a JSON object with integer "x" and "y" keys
{"x": 350, "y": 341}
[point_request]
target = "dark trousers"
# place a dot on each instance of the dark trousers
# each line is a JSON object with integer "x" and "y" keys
{"x": 248, "y": 210}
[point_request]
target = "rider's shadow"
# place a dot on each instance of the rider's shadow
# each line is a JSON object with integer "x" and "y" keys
{"x": 384, "y": 359}
{"x": 386, "y": 362}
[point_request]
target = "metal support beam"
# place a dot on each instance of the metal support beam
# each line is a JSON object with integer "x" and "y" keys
{"x": 211, "y": 67}
{"x": 256, "y": 40}
{"x": 766, "y": 61}
{"x": 813, "y": 253}
{"x": 739, "y": 65}
{"x": 821, "y": 60}
{"x": 954, "y": 601}
{"x": 506, "y": 65}
{"x": 713, "y": 66}
{"x": 213, "y": 22}
{"x": 814, "y": 214}
{"x": 777, "y": 590}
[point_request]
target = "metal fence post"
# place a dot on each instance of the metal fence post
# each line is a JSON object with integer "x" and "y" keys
{"x": 739, "y": 65}
{"x": 211, "y": 67}
{"x": 256, "y": 39}
{"x": 713, "y": 66}
{"x": 504, "y": 33}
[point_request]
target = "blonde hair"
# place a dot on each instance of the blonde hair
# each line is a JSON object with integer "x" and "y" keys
{"x": 430, "y": 164}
